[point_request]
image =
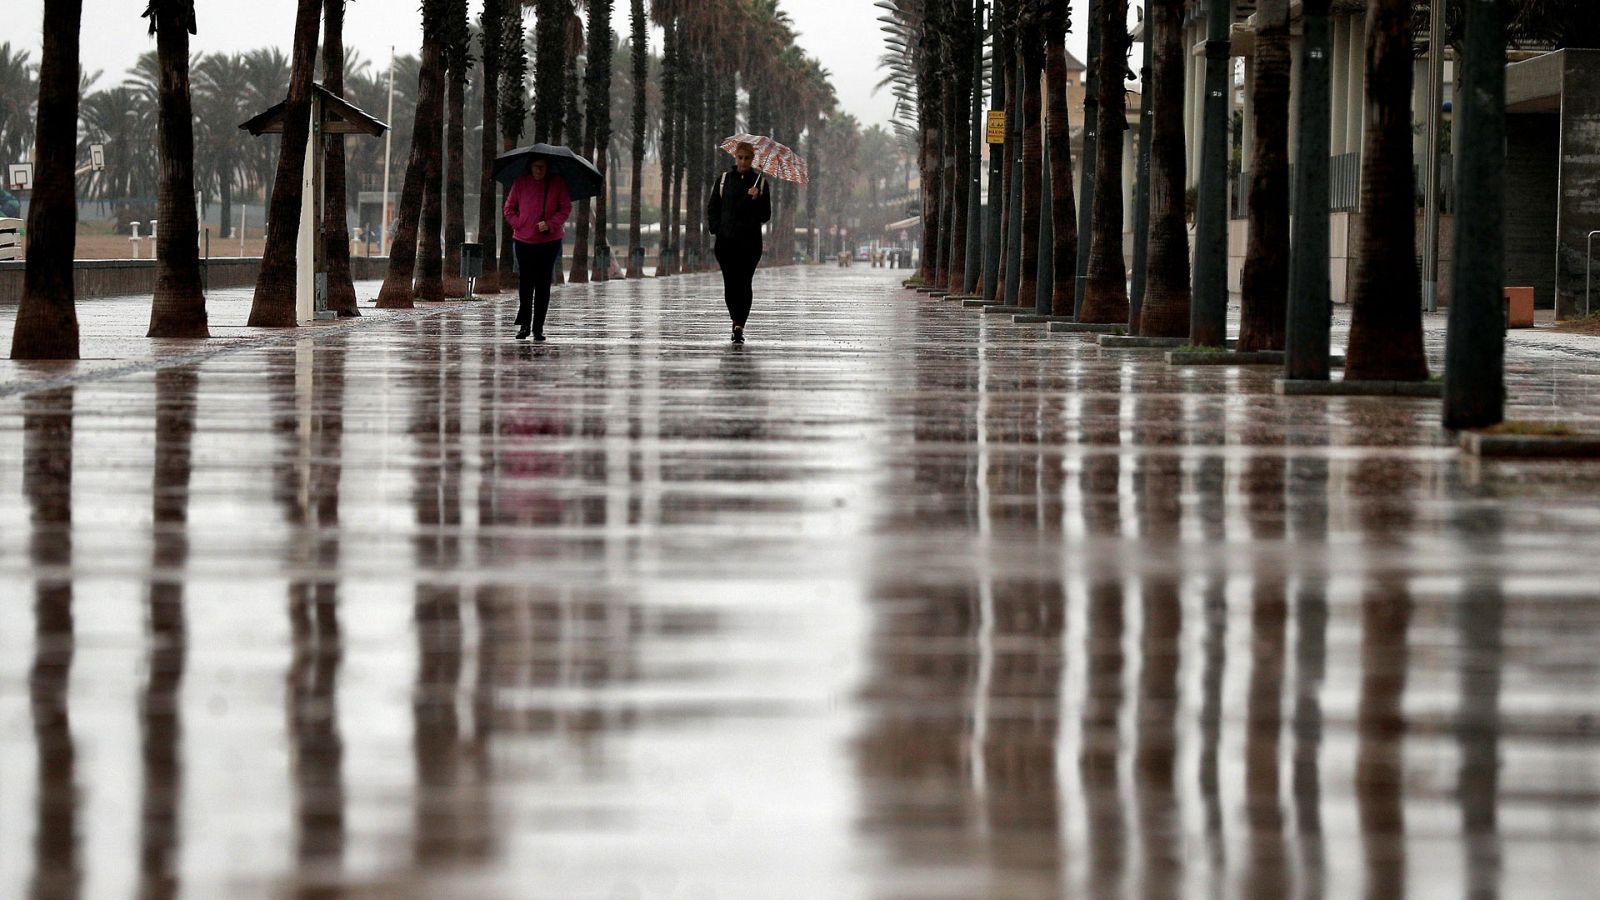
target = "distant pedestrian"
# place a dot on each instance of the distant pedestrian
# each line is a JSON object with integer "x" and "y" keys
{"x": 537, "y": 208}
{"x": 741, "y": 203}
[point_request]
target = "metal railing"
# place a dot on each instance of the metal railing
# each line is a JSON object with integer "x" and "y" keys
{"x": 1344, "y": 186}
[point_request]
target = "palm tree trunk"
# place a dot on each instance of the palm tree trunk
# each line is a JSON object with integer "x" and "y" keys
{"x": 455, "y": 224}
{"x": 1064, "y": 208}
{"x": 580, "y": 243}
{"x": 932, "y": 184}
{"x": 47, "y": 318}
{"x": 1165, "y": 312}
{"x": 398, "y": 290}
{"x": 959, "y": 147}
{"x": 179, "y": 306}
{"x": 1264, "y": 303}
{"x": 335, "y": 228}
{"x": 1032, "y": 166}
{"x": 513, "y": 64}
{"x": 669, "y": 118}
{"x": 1105, "y": 296}
{"x": 274, "y": 302}
{"x": 430, "y": 248}
{"x": 694, "y": 104}
{"x": 641, "y": 72}
{"x": 225, "y": 200}
{"x": 492, "y": 33}
{"x": 600, "y": 268}
{"x": 1386, "y": 305}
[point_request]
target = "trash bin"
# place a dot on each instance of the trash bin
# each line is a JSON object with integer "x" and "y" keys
{"x": 471, "y": 260}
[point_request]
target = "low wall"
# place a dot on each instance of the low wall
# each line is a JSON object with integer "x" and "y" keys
{"x": 1343, "y": 229}
{"x": 120, "y": 277}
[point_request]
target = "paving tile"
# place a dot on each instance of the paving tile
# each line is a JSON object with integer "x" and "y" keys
{"x": 894, "y": 600}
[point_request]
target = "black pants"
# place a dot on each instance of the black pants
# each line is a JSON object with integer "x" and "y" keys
{"x": 738, "y": 262}
{"x": 536, "y": 264}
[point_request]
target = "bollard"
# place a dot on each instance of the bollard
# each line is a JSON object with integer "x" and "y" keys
{"x": 135, "y": 240}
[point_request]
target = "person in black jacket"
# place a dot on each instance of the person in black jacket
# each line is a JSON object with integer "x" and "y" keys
{"x": 740, "y": 204}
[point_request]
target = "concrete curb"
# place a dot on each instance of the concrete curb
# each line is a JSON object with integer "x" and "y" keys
{"x": 1032, "y": 318}
{"x": 1531, "y": 446}
{"x": 1085, "y": 328}
{"x": 977, "y": 302}
{"x": 1301, "y": 388}
{"x": 1137, "y": 342}
{"x": 1224, "y": 358}
{"x": 1005, "y": 310}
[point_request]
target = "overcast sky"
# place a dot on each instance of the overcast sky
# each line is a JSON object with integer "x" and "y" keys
{"x": 843, "y": 34}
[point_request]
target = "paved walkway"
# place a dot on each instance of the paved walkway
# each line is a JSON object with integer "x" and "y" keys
{"x": 897, "y": 600}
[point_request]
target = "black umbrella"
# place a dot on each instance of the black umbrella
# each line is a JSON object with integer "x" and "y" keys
{"x": 582, "y": 178}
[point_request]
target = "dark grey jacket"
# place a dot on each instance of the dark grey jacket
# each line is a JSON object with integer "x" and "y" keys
{"x": 732, "y": 214}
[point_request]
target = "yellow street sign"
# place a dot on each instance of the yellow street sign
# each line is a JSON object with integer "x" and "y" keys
{"x": 996, "y": 127}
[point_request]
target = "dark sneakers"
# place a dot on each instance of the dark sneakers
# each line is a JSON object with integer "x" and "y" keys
{"x": 738, "y": 334}
{"x": 522, "y": 332}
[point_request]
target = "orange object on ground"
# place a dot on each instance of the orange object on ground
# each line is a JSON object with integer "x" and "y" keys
{"x": 1519, "y": 307}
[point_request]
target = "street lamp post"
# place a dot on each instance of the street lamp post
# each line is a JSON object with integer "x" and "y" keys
{"x": 1310, "y": 312}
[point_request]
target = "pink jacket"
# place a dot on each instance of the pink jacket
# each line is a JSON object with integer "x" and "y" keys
{"x": 531, "y": 202}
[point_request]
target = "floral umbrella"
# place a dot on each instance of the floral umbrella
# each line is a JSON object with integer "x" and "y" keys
{"x": 772, "y": 158}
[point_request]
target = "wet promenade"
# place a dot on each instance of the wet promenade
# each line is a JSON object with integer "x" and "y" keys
{"x": 898, "y": 600}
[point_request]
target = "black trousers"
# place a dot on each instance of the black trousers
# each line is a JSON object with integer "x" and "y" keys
{"x": 738, "y": 262}
{"x": 536, "y": 265}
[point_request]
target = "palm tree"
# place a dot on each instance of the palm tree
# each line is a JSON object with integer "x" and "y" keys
{"x": 1105, "y": 295}
{"x": 1385, "y": 300}
{"x": 1030, "y": 62}
{"x": 1165, "y": 312}
{"x": 268, "y": 83}
{"x": 572, "y": 118}
{"x": 1064, "y": 208}
{"x": 596, "y": 135}
{"x": 18, "y": 91}
{"x": 513, "y": 111}
{"x": 219, "y": 88}
{"x": 274, "y": 302}
{"x": 666, "y": 146}
{"x": 47, "y": 319}
{"x": 119, "y": 118}
{"x": 335, "y": 227}
{"x": 962, "y": 37}
{"x": 1265, "y": 288}
{"x": 398, "y": 291}
{"x": 598, "y": 92}
{"x": 491, "y": 27}
{"x": 179, "y": 307}
{"x": 641, "y": 71}
{"x": 458, "y": 39}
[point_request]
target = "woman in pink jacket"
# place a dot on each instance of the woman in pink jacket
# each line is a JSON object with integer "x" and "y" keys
{"x": 537, "y": 207}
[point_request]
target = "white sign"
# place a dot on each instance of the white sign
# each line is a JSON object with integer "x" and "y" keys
{"x": 97, "y": 157}
{"x": 20, "y": 176}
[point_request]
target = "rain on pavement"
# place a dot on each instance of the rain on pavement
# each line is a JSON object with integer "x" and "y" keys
{"x": 896, "y": 600}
